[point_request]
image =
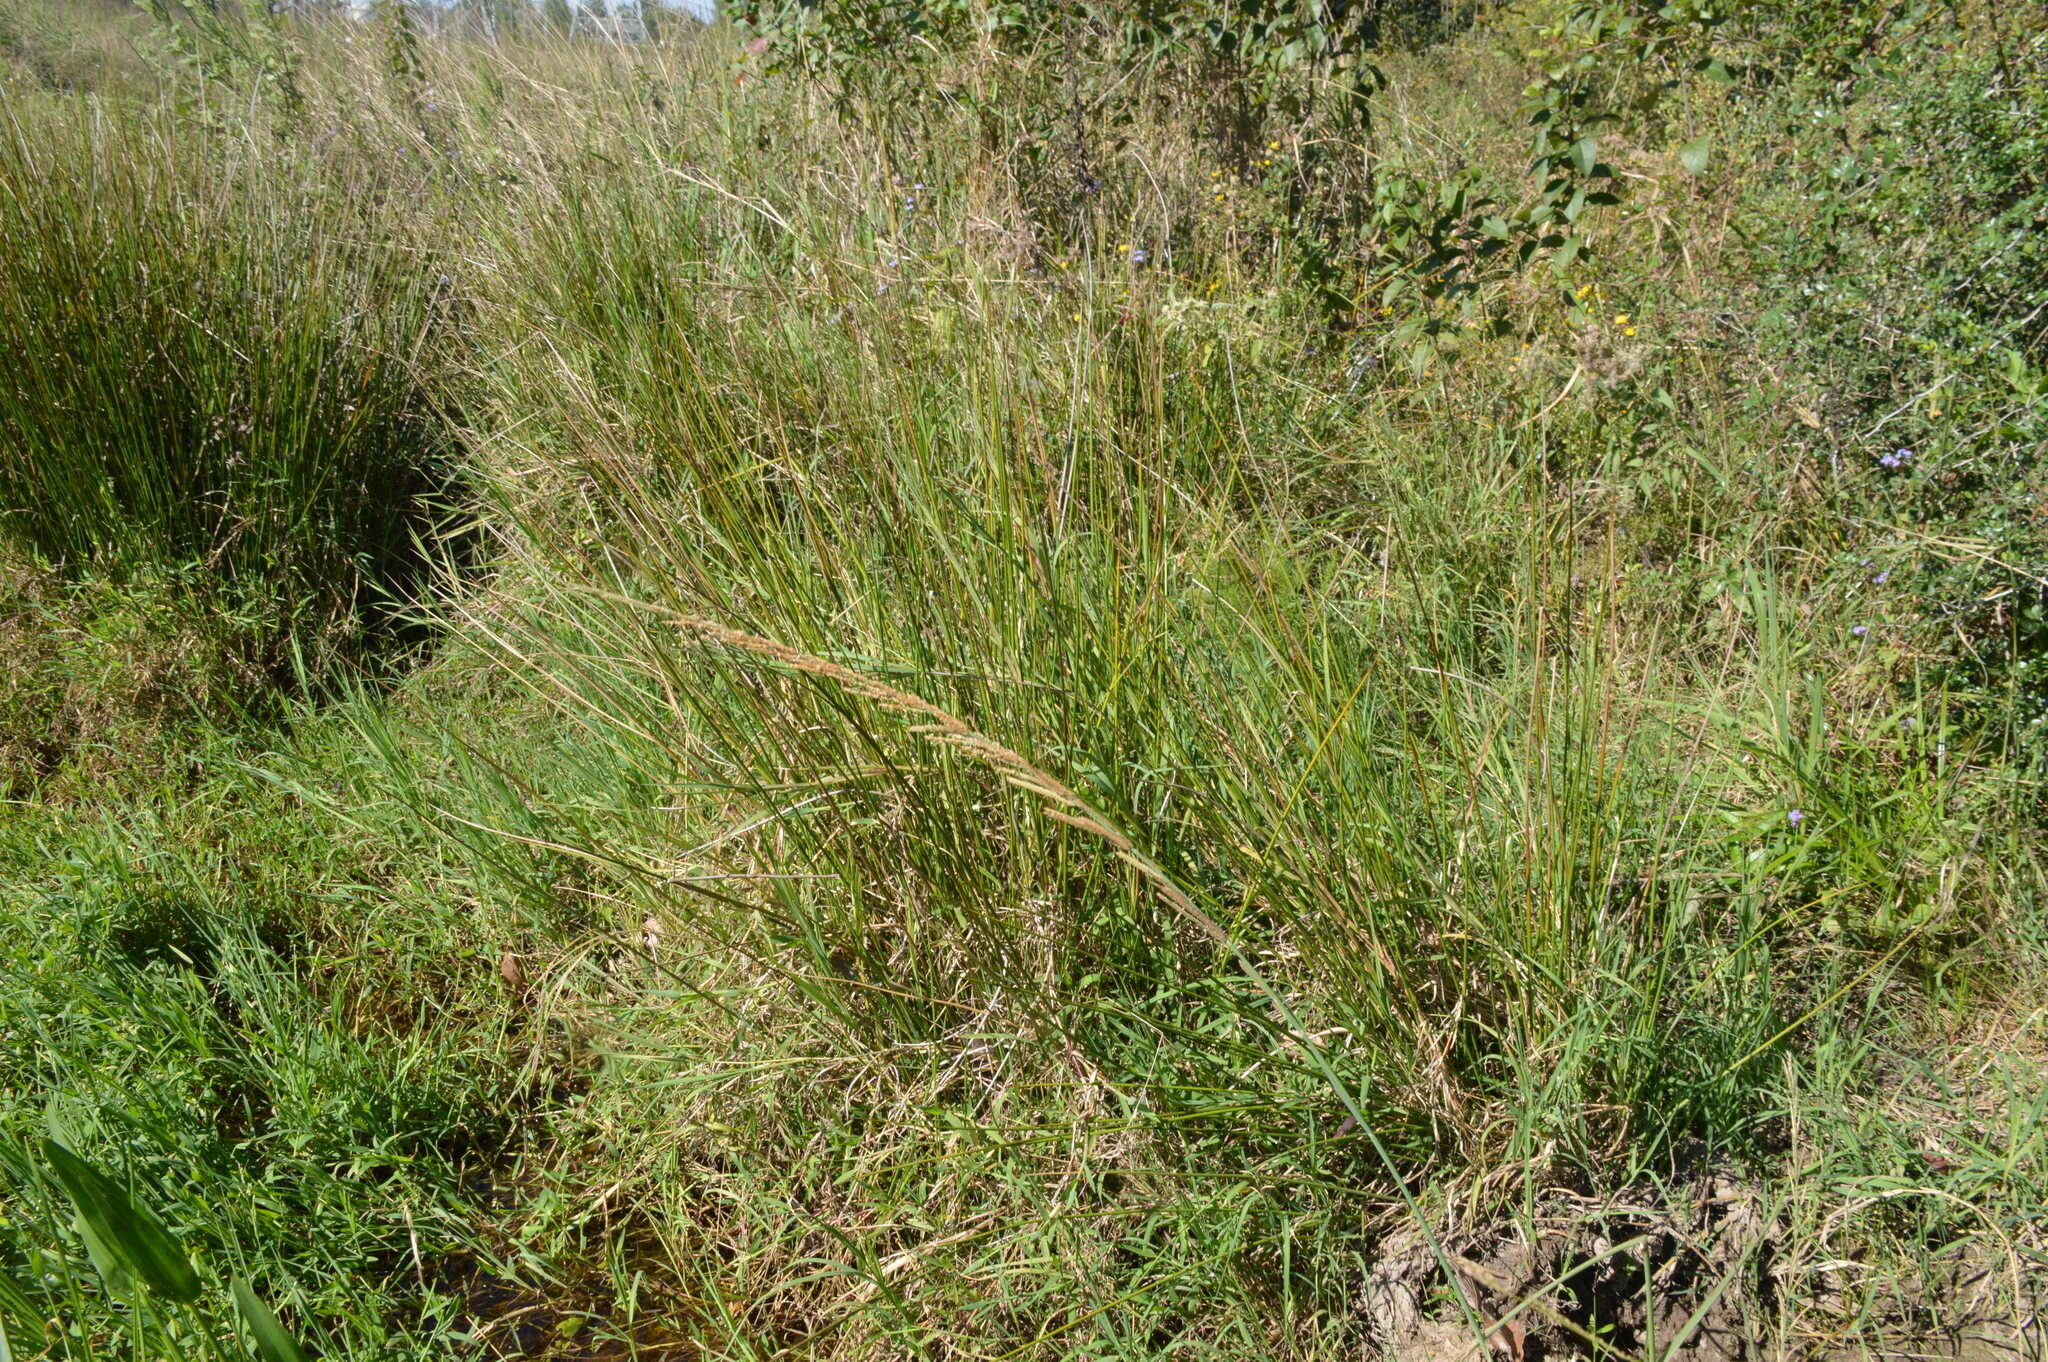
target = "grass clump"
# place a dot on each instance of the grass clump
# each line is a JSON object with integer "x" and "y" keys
{"x": 224, "y": 373}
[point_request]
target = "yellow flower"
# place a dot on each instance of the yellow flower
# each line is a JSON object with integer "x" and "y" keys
{"x": 1934, "y": 412}
{"x": 1077, "y": 316}
{"x": 1584, "y": 289}
{"x": 1272, "y": 146}
{"x": 1621, "y": 319}
{"x": 1628, "y": 331}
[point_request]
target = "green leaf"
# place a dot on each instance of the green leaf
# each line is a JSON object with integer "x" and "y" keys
{"x": 1568, "y": 252}
{"x": 1583, "y": 154}
{"x": 112, "y": 1267}
{"x": 1693, "y": 155}
{"x": 272, "y": 1342}
{"x": 122, "y": 1236}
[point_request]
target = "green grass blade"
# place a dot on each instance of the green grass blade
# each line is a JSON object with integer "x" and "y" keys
{"x": 272, "y": 1341}
{"x": 122, "y": 1236}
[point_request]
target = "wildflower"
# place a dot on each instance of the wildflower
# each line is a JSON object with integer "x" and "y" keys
{"x": 1881, "y": 578}
{"x": 1628, "y": 331}
{"x": 1795, "y": 816}
{"x": 1077, "y": 316}
{"x": 1621, "y": 319}
{"x": 1139, "y": 256}
{"x": 1272, "y": 146}
{"x": 1860, "y": 630}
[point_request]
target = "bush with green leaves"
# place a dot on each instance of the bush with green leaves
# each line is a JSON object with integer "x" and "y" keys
{"x": 1908, "y": 264}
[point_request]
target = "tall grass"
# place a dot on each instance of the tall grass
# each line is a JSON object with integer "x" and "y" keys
{"x": 223, "y": 364}
{"x": 1003, "y": 784}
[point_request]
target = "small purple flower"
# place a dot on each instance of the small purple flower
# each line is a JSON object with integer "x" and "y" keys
{"x": 1881, "y": 578}
{"x": 1860, "y": 630}
{"x": 1140, "y": 256}
{"x": 1795, "y": 816}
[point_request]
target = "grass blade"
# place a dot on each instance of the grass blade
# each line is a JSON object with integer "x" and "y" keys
{"x": 124, "y": 1237}
{"x": 272, "y": 1341}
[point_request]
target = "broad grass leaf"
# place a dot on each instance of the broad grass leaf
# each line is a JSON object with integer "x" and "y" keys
{"x": 272, "y": 1341}
{"x": 123, "y": 1237}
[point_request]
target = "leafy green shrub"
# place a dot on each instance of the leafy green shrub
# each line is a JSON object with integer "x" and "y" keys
{"x": 1906, "y": 262}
